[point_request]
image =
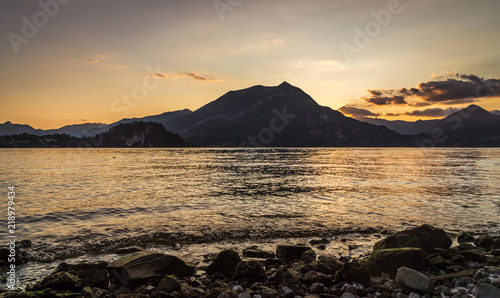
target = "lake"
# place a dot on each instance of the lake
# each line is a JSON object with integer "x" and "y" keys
{"x": 76, "y": 202}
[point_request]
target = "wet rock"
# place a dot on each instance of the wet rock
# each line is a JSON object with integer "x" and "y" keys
{"x": 465, "y": 237}
{"x": 474, "y": 255}
{"x": 414, "y": 280}
{"x": 463, "y": 282}
{"x": 90, "y": 274}
{"x": 389, "y": 260}
{"x": 466, "y": 246}
{"x": 288, "y": 253}
{"x": 308, "y": 256}
{"x": 317, "y": 288}
{"x": 238, "y": 289}
{"x": 323, "y": 241}
{"x": 251, "y": 271}
{"x": 59, "y": 281}
{"x": 266, "y": 292}
{"x": 21, "y": 256}
{"x": 326, "y": 264}
{"x": 284, "y": 291}
{"x": 225, "y": 262}
{"x": 245, "y": 295}
{"x": 495, "y": 252}
{"x": 24, "y": 244}
{"x": 127, "y": 250}
{"x": 228, "y": 294}
{"x": 436, "y": 260}
{"x": 287, "y": 277}
{"x": 167, "y": 284}
{"x": 255, "y": 252}
{"x": 143, "y": 267}
{"x": 492, "y": 260}
{"x": 317, "y": 277}
{"x": 425, "y": 237}
{"x": 484, "y": 241}
{"x": 348, "y": 295}
{"x": 487, "y": 291}
{"x": 353, "y": 272}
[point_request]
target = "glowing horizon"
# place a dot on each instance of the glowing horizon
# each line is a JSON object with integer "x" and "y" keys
{"x": 71, "y": 62}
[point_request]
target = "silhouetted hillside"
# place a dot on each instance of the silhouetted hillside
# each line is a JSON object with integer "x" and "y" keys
{"x": 137, "y": 134}
{"x": 276, "y": 116}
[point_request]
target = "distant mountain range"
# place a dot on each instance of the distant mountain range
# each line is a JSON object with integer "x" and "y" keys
{"x": 134, "y": 134}
{"x": 285, "y": 116}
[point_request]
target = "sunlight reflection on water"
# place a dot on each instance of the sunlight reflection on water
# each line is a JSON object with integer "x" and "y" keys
{"x": 100, "y": 197}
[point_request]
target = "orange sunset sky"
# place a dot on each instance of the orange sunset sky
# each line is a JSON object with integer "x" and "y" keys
{"x": 68, "y": 62}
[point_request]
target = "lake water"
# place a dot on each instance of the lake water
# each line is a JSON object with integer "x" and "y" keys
{"x": 76, "y": 202}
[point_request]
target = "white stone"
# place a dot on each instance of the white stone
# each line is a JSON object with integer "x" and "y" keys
{"x": 413, "y": 280}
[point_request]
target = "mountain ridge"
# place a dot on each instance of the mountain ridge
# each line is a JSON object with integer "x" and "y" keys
{"x": 284, "y": 115}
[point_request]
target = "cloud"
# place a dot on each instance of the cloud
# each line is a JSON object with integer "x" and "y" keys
{"x": 319, "y": 65}
{"x": 198, "y": 77}
{"x": 456, "y": 89}
{"x": 102, "y": 61}
{"x": 419, "y": 104}
{"x": 496, "y": 112}
{"x": 383, "y": 98}
{"x": 192, "y": 75}
{"x": 434, "y": 112}
{"x": 356, "y": 112}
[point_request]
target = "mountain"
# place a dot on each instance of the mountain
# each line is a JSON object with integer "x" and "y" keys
{"x": 161, "y": 118}
{"x": 75, "y": 130}
{"x": 134, "y": 134}
{"x": 137, "y": 134}
{"x": 400, "y": 126}
{"x": 8, "y": 128}
{"x": 472, "y": 126}
{"x": 279, "y": 116}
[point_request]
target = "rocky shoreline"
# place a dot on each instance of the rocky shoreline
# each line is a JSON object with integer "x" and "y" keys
{"x": 419, "y": 262}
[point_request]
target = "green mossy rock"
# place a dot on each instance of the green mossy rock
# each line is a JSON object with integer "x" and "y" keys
{"x": 145, "y": 266}
{"x": 425, "y": 237}
{"x": 225, "y": 262}
{"x": 251, "y": 271}
{"x": 389, "y": 260}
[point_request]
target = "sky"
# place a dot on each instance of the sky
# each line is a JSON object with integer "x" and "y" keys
{"x": 69, "y": 62}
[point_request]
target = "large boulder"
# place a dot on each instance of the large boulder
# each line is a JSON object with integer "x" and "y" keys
{"x": 289, "y": 253}
{"x": 63, "y": 281}
{"x": 167, "y": 284}
{"x": 251, "y": 271}
{"x": 326, "y": 264}
{"x": 145, "y": 266}
{"x": 487, "y": 291}
{"x": 287, "y": 277}
{"x": 90, "y": 274}
{"x": 389, "y": 260}
{"x": 353, "y": 272}
{"x": 225, "y": 262}
{"x": 425, "y": 237}
{"x": 255, "y": 252}
{"x": 414, "y": 280}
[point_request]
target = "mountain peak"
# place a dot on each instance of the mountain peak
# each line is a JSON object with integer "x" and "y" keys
{"x": 8, "y": 123}
{"x": 285, "y": 84}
